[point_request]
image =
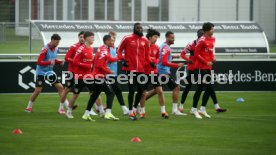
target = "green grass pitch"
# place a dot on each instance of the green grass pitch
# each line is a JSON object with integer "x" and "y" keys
{"x": 246, "y": 128}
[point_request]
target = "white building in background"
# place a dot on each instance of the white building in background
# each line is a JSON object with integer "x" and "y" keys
{"x": 261, "y": 11}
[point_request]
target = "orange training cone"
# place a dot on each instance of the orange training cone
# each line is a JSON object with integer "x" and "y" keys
{"x": 136, "y": 139}
{"x": 17, "y": 131}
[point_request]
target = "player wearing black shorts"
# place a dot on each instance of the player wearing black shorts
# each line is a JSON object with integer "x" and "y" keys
{"x": 152, "y": 75}
{"x": 164, "y": 66}
{"x": 44, "y": 71}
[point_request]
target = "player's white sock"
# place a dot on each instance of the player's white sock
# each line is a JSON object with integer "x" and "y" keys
{"x": 96, "y": 106}
{"x": 181, "y": 105}
{"x": 194, "y": 109}
{"x": 163, "y": 109}
{"x": 61, "y": 106}
{"x": 30, "y": 104}
{"x": 216, "y": 106}
{"x": 66, "y": 103}
{"x": 69, "y": 110}
{"x": 143, "y": 110}
{"x": 86, "y": 112}
{"x": 108, "y": 111}
{"x": 134, "y": 110}
{"x": 130, "y": 111}
{"x": 124, "y": 108}
{"x": 101, "y": 109}
{"x": 174, "y": 107}
{"x": 202, "y": 108}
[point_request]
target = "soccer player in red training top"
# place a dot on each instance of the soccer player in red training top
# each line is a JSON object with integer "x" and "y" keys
{"x": 136, "y": 49}
{"x": 69, "y": 57}
{"x": 83, "y": 62}
{"x": 190, "y": 48}
{"x": 44, "y": 71}
{"x": 204, "y": 54}
{"x": 100, "y": 70}
{"x": 151, "y": 71}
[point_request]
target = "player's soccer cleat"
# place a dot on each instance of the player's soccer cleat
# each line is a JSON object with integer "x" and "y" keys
{"x": 204, "y": 113}
{"x": 221, "y": 110}
{"x": 132, "y": 116}
{"x": 110, "y": 117}
{"x": 142, "y": 115}
{"x": 178, "y": 113}
{"x": 102, "y": 114}
{"x": 69, "y": 115}
{"x": 29, "y": 109}
{"x": 92, "y": 112}
{"x": 165, "y": 115}
{"x": 180, "y": 109}
{"x": 61, "y": 111}
{"x": 87, "y": 118}
{"x": 196, "y": 114}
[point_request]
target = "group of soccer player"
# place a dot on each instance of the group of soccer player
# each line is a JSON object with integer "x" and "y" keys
{"x": 140, "y": 57}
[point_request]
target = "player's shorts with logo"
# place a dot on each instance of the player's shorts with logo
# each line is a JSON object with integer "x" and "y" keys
{"x": 41, "y": 80}
{"x": 69, "y": 82}
{"x": 153, "y": 80}
{"x": 80, "y": 84}
{"x": 168, "y": 80}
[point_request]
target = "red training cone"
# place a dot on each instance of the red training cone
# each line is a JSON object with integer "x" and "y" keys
{"x": 136, "y": 139}
{"x": 17, "y": 131}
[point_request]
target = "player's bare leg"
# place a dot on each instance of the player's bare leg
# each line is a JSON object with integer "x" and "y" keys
{"x": 142, "y": 104}
{"x": 175, "y": 94}
{"x": 71, "y": 105}
{"x": 161, "y": 100}
{"x": 33, "y": 97}
{"x": 72, "y": 101}
{"x": 63, "y": 100}
{"x": 99, "y": 107}
{"x": 36, "y": 92}
{"x": 60, "y": 89}
{"x": 64, "y": 94}
{"x": 159, "y": 92}
{"x": 151, "y": 93}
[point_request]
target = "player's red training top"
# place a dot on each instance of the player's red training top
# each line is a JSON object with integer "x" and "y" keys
{"x": 166, "y": 57}
{"x": 136, "y": 51}
{"x": 190, "y": 48}
{"x": 42, "y": 55}
{"x": 204, "y": 52}
{"x": 154, "y": 57}
{"x": 101, "y": 60}
{"x": 69, "y": 57}
{"x": 83, "y": 61}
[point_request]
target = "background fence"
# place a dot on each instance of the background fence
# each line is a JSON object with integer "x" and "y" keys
{"x": 261, "y": 11}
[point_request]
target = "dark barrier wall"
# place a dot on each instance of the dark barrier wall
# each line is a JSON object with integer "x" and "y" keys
{"x": 19, "y": 77}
